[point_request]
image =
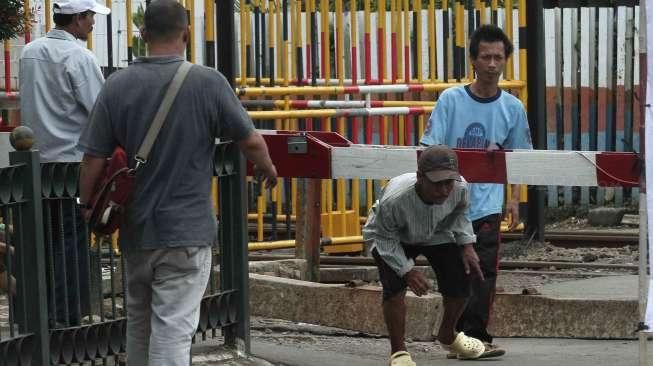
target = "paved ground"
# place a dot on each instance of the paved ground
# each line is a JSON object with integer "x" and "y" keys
{"x": 532, "y": 352}
{"x": 521, "y": 352}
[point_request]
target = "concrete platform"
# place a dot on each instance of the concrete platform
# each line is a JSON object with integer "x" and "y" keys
{"x": 597, "y": 308}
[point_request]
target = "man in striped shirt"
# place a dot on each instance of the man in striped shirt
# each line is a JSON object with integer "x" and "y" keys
{"x": 424, "y": 213}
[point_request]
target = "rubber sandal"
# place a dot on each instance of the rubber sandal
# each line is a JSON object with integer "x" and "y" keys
{"x": 467, "y": 348}
{"x": 491, "y": 350}
{"x": 401, "y": 358}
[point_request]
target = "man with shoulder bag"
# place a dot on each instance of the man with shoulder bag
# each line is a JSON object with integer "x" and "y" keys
{"x": 167, "y": 225}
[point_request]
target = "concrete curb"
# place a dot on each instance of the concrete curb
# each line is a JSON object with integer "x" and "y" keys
{"x": 515, "y": 315}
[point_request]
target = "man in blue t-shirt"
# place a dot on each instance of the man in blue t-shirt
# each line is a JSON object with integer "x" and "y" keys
{"x": 482, "y": 116}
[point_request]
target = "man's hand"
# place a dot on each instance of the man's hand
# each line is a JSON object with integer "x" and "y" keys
{"x": 417, "y": 282}
{"x": 512, "y": 211}
{"x": 269, "y": 175}
{"x": 470, "y": 260}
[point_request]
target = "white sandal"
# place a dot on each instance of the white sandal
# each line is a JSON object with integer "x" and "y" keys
{"x": 401, "y": 358}
{"x": 467, "y": 348}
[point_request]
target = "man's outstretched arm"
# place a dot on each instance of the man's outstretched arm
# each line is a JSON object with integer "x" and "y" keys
{"x": 255, "y": 150}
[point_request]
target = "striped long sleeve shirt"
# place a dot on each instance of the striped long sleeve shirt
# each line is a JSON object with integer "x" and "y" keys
{"x": 399, "y": 217}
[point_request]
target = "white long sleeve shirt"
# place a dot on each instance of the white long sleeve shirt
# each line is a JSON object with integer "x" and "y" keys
{"x": 59, "y": 82}
{"x": 399, "y": 217}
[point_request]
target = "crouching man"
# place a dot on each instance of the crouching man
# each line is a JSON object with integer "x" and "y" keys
{"x": 424, "y": 213}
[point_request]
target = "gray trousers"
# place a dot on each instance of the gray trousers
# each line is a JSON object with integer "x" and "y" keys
{"x": 164, "y": 290}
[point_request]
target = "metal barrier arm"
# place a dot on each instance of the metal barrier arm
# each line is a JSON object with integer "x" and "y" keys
{"x": 328, "y": 155}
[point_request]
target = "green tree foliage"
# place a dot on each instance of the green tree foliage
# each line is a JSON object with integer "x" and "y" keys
{"x": 13, "y": 19}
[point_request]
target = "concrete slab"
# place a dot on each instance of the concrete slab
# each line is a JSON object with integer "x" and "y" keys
{"x": 574, "y": 309}
{"x": 603, "y": 288}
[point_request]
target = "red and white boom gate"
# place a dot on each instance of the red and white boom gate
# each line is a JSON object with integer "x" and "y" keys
{"x": 328, "y": 155}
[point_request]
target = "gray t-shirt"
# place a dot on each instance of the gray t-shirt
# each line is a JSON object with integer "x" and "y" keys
{"x": 171, "y": 204}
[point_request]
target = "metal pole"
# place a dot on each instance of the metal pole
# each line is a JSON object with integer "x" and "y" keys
{"x": 226, "y": 37}
{"x": 233, "y": 197}
{"x": 536, "y": 112}
{"x": 109, "y": 41}
{"x": 33, "y": 248}
{"x": 644, "y": 278}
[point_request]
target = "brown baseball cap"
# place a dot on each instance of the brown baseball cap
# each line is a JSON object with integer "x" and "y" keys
{"x": 438, "y": 163}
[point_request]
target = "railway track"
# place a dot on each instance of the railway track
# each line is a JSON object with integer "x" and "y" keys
{"x": 584, "y": 238}
{"x": 504, "y": 265}
{"x": 565, "y": 239}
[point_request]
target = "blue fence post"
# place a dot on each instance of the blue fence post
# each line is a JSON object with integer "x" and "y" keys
{"x": 33, "y": 248}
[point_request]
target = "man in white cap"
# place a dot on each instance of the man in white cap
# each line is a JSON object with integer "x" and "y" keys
{"x": 59, "y": 82}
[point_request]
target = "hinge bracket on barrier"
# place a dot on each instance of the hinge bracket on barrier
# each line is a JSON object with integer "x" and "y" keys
{"x": 297, "y": 145}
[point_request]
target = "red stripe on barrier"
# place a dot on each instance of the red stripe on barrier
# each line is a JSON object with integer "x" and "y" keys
{"x": 415, "y": 87}
{"x": 377, "y": 104}
{"x": 318, "y": 153}
{"x": 482, "y": 167}
{"x": 617, "y": 169}
{"x": 413, "y": 110}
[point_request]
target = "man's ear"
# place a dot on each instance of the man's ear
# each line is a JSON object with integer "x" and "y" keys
{"x": 186, "y": 35}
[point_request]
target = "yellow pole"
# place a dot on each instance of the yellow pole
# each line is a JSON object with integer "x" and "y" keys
{"x": 433, "y": 53}
{"x": 340, "y": 57}
{"x": 214, "y": 194}
{"x": 243, "y": 45}
{"x": 209, "y": 20}
{"x": 510, "y": 67}
{"x": 353, "y": 11}
{"x": 130, "y": 30}
{"x": 459, "y": 13}
{"x": 48, "y": 15}
{"x": 271, "y": 35}
{"x": 260, "y": 210}
{"x": 327, "y": 188}
{"x": 418, "y": 8}
{"x": 406, "y": 43}
{"x": 382, "y": 74}
{"x": 400, "y": 60}
{"x": 279, "y": 41}
{"x": 479, "y": 5}
{"x": 28, "y": 28}
{"x": 324, "y": 14}
{"x": 292, "y": 42}
{"x": 190, "y": 5}
{"x": 523, "y": 93}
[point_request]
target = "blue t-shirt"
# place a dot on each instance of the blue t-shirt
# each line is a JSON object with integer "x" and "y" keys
{"x": 463, "y": 120}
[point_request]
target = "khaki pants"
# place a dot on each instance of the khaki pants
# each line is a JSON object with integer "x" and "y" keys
{"x": 164, "y": 290}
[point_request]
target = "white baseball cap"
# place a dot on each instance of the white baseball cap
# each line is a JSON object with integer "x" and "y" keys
{"x": 79, "y": 6}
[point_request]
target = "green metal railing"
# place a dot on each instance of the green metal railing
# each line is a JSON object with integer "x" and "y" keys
{"x": 81, "y": 319}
